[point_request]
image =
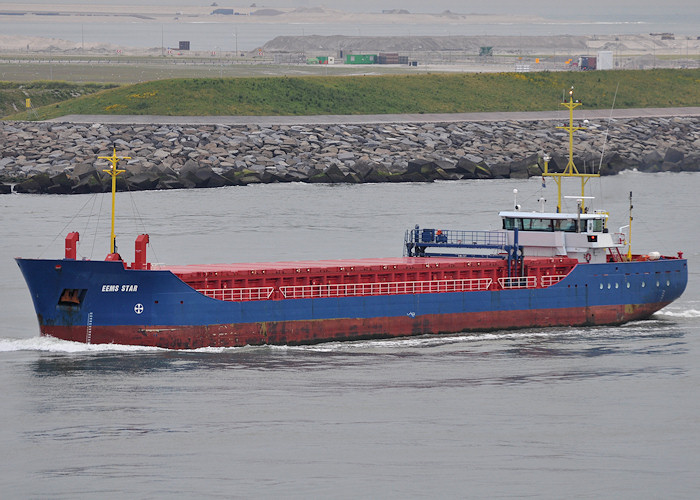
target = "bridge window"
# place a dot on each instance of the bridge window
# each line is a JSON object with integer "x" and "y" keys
{"x": 596, "y": 225}
{"x": 537, "y": 224}
{"x": 566, "y": 225}
{"x": 511, "y": 223}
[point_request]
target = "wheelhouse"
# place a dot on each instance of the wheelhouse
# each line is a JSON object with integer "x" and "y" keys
{"x": 551, "y": 222}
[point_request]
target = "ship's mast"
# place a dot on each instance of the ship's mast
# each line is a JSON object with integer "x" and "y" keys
{"x": 113, "y": 172}
{"x": 570, "y": 170}
{"x": 629, "y": 236}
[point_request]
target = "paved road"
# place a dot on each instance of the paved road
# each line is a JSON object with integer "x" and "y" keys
{"x": 348, "y": 119}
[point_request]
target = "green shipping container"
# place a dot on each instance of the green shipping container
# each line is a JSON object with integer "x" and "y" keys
{"x": 360, "y": 58}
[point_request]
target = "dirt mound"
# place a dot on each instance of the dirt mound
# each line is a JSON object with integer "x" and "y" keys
{"x": 502, "y": 44}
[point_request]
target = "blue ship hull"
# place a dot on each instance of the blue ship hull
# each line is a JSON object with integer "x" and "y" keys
{"x": 111, "y": 304}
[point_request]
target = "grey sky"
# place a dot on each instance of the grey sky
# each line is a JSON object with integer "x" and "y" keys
{"x": 544, "y": 8}
{"x": 597, "y": 9}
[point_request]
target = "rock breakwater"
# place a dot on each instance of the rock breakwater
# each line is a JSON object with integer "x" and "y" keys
{"x": 61, "y": 158}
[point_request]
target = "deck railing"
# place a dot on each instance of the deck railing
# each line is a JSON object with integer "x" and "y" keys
{"x": 348, "y": 289}
{"x": 518, "y": 282}
{"x": 552, "y": 279}
{"x": 238, "y": 294}
{"x": 388, "y": 288}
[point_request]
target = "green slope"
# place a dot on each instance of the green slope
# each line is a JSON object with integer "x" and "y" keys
{"x": 425, "y": 93}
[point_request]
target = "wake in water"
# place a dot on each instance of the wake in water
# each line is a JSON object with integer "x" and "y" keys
{"x": 425, "y": 341}
{"x": 50, "y": 344}
{"x": 687, "y": 313}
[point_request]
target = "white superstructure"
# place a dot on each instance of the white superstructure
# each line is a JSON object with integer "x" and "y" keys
{"x": 582, "y": 236}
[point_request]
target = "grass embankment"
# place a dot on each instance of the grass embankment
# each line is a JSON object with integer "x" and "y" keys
{"x": 427, "y": 93}
{"x": 42, "y": 93}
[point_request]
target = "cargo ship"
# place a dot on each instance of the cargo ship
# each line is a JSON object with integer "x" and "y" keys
{"x": 541, "y": 269}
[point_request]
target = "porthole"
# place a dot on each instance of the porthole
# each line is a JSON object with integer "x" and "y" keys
{"x": 643, "y": 284}
{"x": 608, "y": 286}
{"x": 617, "y": 285}
{"x": 658, "y": 284}
{"x": 601, "y": 286}
{"x": 628, "y": 285}
{"x": 668, "y": 283}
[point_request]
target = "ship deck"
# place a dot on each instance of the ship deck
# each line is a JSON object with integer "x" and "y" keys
{"x": 372, "y": 276}
{"x": 327, "y": 265}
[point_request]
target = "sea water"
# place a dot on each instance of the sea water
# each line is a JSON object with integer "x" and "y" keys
{"x": 551, "y": 412}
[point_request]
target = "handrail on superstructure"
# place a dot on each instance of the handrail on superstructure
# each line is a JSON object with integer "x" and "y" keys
{"x": 417, "y": 240}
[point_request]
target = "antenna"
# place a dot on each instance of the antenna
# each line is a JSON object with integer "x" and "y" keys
{"x": 605, "y": 137}
{"x": 516, "y": 207}
{"x": 570, "y": 170}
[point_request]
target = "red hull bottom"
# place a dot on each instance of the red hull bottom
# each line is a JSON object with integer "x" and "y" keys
{"x": 316, "y": 331}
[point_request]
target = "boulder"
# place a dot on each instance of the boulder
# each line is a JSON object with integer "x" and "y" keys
{"x": 615, "y": 163}
{"x": 483, "y": 172}
{"x": 673, "y": 156}
{"x": 142, "y": 182}
{"x": 520, "y": 169}
{"x": 413, "y": 177}
{"x": 320, "y": 178}
{"x": 375, "y": 176}
{"x": 29, "y": 186}
{"x": 334, "y": 174}
{"x": 440, "y": 174}
{"x": 82, "y": 170}
{"x": 88, "y": 184}
{"x": 200, "y": 177}
{"x": 169, "y": 182}
{"x": 668, "y": 166}
{"x": 651, "y": 162}
{"x": 362, "y": 168}
{"x": 501, "y": 170}
{"x": 353, "y": 178}
{"x": 61, "y": 180}
{"x": 691, "y": 163}
{"x": 416, "y": 165}
{"x": 251, "y": 178}
{"x": 467, "y": 168}
{"x": 44, "y": 181}
{"x": 233, "y": 177}
{"x": 60, "y": 184}
{"x": 534, "y": 171}
{"x": 447, "y": 166}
